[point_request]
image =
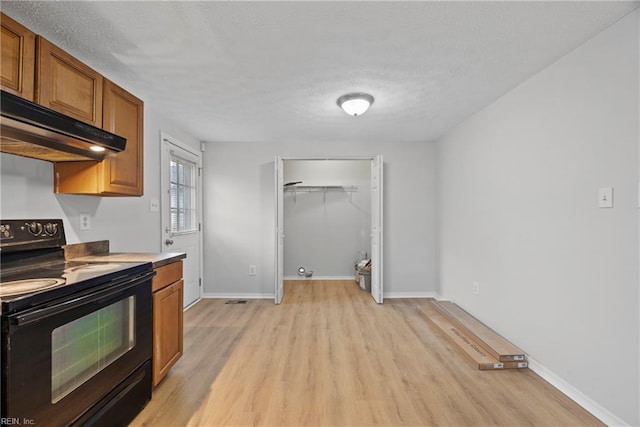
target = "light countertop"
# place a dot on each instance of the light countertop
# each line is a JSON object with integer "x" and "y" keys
{"x": 157, "y": 259}
{"x": 98, "y": 251}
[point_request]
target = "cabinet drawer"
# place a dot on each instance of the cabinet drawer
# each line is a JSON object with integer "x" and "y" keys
{"x": 166, "y": 275}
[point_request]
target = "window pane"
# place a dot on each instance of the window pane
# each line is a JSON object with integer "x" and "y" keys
{"x": 180, "y": 173}
{"x": 174, "y": 171}
{"x": 183, "y": 195}
{"x": 174, "y": 220}
{"x": 180, "y": 204}
{"x": 174, "y": 196}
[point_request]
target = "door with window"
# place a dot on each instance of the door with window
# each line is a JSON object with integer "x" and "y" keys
{"x": 181, "y": 226}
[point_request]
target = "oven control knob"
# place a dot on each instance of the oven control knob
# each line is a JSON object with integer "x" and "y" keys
{"x": 34, "y": 228}
{"x": 5, "y": 231}
{"x": 51, "y": 229}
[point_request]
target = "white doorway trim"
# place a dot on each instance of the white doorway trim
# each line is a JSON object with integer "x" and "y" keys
{"x": 376, "y": 232}
{"x": 279, "y": 229}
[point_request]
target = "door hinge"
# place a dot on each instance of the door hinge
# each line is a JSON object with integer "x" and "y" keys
{"x": 199, "y": 226}
{"x": 199, "y": 171}
{"x": 200, "y": 282}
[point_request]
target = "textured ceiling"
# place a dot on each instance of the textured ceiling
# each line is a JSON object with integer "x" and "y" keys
{"x": 272, "y": 71}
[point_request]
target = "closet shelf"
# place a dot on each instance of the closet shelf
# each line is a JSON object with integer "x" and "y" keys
{"x": 321, "y": 187}
{"x": 316, "y": 188}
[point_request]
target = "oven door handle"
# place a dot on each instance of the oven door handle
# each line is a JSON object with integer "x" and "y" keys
{"x": 94, "y": 298}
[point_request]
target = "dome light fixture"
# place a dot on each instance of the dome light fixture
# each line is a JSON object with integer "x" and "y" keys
{"x": 355, "y": 104}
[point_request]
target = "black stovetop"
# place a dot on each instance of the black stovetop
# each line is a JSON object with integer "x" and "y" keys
{"x": 60, "y": 280}
{"x": 33, "y": 269}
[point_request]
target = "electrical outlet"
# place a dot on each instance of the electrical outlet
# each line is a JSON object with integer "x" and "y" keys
{"x": 476, "y": 288}
{"x": 252, "y": 270}
{"x": 154, "y": 205}
{"x": 85, "y": 221}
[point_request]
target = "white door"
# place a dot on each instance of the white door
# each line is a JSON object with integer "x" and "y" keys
{"x": 376, "y": 229}
{"x": 181, "y": 228}
{"x": 279, "y": 229}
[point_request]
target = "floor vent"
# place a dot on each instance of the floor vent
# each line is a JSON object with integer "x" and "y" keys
{"x": 236, "y": 301}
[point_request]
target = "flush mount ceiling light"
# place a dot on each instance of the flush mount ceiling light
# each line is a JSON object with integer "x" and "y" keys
{"x": 355, "y": 104}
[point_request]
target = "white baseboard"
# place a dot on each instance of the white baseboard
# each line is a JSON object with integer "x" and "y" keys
{"x": 217, "y": 295}
{"x": 576, "y": 395}
{"x": 223, "y": 295}
{"x": 237, "y": 296}
{"x": 412, "y": 295}
{"x": 321, "y": 278}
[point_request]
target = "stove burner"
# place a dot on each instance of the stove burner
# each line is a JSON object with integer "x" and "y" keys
{"x": 29, "y": 285}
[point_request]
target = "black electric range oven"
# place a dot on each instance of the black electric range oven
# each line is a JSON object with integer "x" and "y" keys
{"x": 76, "y": 337}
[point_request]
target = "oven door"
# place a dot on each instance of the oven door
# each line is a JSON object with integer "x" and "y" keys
{"x": 60, "y": 361}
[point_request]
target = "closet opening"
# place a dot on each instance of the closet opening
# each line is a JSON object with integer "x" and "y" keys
{"x": 329, "y": 216}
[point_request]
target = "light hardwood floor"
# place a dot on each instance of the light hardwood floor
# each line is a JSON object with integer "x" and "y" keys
{"x": 330, "y": 356}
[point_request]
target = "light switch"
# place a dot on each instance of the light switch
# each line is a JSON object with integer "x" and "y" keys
{"x": 605, "y": 197}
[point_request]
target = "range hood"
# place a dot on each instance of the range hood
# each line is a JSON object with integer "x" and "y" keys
{"x": 31, "y": 130}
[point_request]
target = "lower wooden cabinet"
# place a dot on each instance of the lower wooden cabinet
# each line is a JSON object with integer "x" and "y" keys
{"x": 168, "y": 288}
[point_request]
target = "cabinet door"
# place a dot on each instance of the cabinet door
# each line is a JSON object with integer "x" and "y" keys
{"x": 123, "y": 115}
{"x": 18, "y": 60}
{"x": 118, "y": 174}
{"x": 66, "y": 85}
{"x": 167, "y": 329}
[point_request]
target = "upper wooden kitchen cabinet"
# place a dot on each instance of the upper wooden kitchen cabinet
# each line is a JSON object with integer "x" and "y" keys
{"x": 123, "y": 114}
{"x": 17, "y": 70}
{"x": 118, "y": 174}
{"x": 66, "y": 85}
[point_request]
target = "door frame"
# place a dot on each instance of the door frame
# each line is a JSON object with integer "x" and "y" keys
{"x": 279, "y": 221}
{"x": 165, "y": 138}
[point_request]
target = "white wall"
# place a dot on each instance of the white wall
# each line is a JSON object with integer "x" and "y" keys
{"x": 518, "y": 212}
{"x": 239, "y": 206}
{"x": 324, "y": 231}
{"x": 27, "y": 192}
